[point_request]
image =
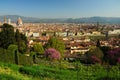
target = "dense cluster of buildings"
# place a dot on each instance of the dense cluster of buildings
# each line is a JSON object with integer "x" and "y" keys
{"x": 75, "y": 36}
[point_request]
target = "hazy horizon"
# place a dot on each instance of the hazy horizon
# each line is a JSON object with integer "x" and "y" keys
{"x": 60, "y": 8}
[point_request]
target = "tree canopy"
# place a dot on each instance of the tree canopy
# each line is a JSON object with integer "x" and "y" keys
{"x": 38, "y": 48}
{"x": 95, "y": 54}
{"x": 8, "y": 36}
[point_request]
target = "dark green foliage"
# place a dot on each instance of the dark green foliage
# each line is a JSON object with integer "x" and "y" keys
{"x": 33, "y": 55}
{"x": 11, "y": 55}
{"x": 38, "y": 48}
{"x": 23, "y": 38}
{"x": 25, "y": 60}
{"x": 98, "y": 43}
{"x": 7, "y": 36}
{"x": 44, "y": 34}
{"x": 6, "y": 56}
{"x": 17, "y": 36}
{"x": 30, "y": 71}
{"x": 7, "y": 77}
{"x": 22, "y": 47}
{"x": 54, "y": 34}
{"x": 34, "y": 58}
{"x": 21, "y": 41}
{"x": 16, "y": 57}
{"x": 105, "y": 50}
{"x": 108, "y": 78}
{"x": 96, "y": 52}
{"x": 14, "y": 49}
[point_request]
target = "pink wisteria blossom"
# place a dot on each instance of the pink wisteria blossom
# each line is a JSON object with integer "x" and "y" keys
{"x": 52, "y": 53}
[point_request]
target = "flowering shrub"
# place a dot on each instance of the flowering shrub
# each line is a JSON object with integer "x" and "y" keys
{"x": 114, "y": 56}
{"x": 52, "y": 53}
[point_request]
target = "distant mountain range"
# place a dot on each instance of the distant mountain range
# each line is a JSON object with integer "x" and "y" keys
{"x": 114, "y": 20}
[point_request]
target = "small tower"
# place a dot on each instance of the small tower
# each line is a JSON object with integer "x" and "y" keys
{"x": 5, "y": 19}
{"x": 9, "y": 21}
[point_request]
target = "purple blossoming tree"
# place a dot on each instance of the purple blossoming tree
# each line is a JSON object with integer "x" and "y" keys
{"x": 114, "y": 56}
{"x": 52, "y": 54}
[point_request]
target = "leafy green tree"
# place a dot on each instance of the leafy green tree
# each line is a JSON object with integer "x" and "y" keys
{"x": 17, "y": 36}
{"x": 23, "y": 37}
{"x": 38, "y": 48}
{"x": 53, "y": 42}
{"x": 96, "y": 52}
{"x": 105, "y": 50}
{"x": 21, "y": 41}
{"x": 7, "y": 35}
{"x": 14, "y": 49}
{"x": 22, "y": 47}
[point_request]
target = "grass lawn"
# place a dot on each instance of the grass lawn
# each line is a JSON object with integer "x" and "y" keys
{"x": 52, "y": 71}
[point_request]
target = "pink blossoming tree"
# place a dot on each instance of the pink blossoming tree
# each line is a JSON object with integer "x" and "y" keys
{"x": 52, "y": 54}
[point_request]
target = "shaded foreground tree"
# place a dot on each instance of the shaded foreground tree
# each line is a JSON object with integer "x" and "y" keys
{"x": 21, "y": 41}
{"x": 8, "y": 36}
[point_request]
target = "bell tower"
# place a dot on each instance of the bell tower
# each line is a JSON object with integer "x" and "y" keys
{"x": 5, "y": 19}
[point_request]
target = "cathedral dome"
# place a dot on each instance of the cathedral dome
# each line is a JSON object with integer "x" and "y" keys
{"x": 19, "y": 22}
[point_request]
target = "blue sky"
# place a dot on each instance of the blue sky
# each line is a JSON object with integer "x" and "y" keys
{"x": 60, "y": 8}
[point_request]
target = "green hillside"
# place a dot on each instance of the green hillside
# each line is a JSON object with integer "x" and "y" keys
{"x": 57, "y": 71}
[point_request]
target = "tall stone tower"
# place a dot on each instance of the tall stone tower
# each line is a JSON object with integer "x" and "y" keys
{"x": 5, "y": 19}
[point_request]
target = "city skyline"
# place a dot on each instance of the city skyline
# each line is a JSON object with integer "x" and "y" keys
{"x": 60, "y": 8}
